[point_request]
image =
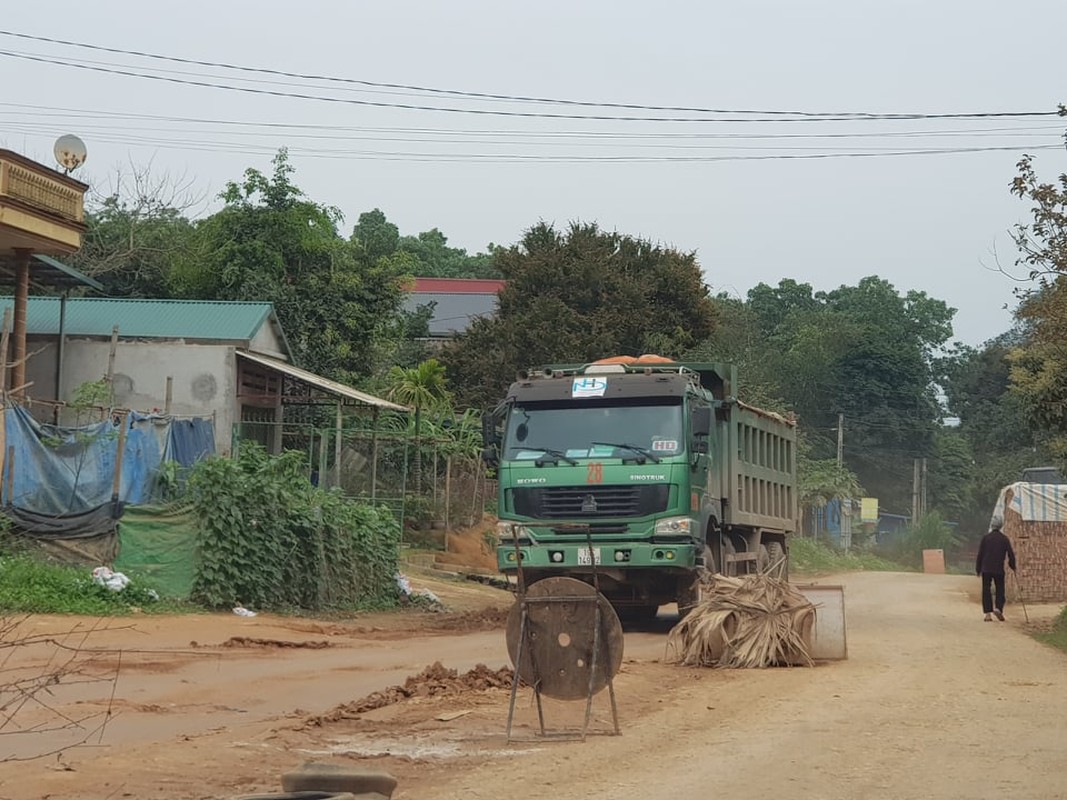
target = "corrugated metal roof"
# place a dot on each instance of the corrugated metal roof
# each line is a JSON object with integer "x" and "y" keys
{"x": 46, "y": 271}
{"x": 459, "y": 285}
{"x": 149, "y": 319}
{"x": 452, "y": 312}
{"x": 327, "y": 385}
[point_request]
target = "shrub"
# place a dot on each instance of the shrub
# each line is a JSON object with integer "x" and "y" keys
{"x": 269, "y": 539}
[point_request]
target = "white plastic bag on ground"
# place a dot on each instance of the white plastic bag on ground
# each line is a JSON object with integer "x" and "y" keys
{"x": 115, "y": 581}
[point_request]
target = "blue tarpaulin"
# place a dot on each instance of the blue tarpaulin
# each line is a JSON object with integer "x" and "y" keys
{"x": 55, "y": 470}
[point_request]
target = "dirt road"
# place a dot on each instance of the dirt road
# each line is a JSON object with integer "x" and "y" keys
{"x": 932, "y": 703}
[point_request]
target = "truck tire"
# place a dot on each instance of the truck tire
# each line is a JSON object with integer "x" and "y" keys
{"x": 692, "y": 595}
{"x": 779, "y": 563}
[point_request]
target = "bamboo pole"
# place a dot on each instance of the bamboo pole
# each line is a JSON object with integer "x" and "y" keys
{"x": 448, "y": 498}
{"x": 337, "y": 447}
{"x": 116, "y": 482}
{"x": 3, "y": 350}
{"x": 168, "y": 398}
{"x": 10, "y": 477}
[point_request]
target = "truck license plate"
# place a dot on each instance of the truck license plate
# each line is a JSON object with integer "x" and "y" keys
{"x": 583, "y": 555}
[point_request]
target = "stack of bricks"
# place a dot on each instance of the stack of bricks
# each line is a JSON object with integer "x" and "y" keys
{"x": 1041, "y": 554}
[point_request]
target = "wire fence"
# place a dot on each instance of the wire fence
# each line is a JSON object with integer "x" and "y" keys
{"x": 423, "y": 481}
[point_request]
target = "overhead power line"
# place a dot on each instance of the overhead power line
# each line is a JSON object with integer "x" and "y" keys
{"x": 1040, "y": 131}
{"x": 747, "y": 115}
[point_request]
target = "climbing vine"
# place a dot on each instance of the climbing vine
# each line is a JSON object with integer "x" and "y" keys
{"x": 269, "y": 539}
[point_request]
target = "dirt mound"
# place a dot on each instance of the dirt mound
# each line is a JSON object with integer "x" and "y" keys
{"x": 486, "y": 619}
{"x": 471, "y": 547}
{"x": 434, "y": 681}
{"x": 249, "y": 641}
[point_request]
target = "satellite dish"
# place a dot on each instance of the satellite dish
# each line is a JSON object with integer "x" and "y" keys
{"x": 70, "y": 152}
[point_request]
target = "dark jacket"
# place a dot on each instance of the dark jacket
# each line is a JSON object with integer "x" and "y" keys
{"x": 991, "y": 552}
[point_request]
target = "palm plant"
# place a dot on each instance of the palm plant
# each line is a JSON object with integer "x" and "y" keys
{"x": 422, "y": 388}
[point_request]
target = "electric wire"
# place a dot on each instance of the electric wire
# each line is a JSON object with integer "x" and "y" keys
{"x": 806, "y": 117}
{"x": 518, "y": 98}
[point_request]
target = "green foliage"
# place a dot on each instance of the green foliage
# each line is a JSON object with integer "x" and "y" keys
{"x": 994, "y": 425}
{"x": 31, "y": 585}
{"x": 867, "y": 351}
{"x": 136, "y": 237}
{"x": 931, "y": 533}
{"x": 421, "y": 387}
{"x": 578, "y": 296}
{"x": 336, "y": 300}
{"x": 1038, "y": 362}
{"x": 269, "y": 539}
{"x": 823, "y": 480}
{"x": 807, "y": 555}
{"x": 437, "y": 260}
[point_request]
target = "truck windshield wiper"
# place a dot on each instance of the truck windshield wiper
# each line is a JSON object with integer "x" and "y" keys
{"x": 548, "y": 451}
{"x": 624, "y": 446}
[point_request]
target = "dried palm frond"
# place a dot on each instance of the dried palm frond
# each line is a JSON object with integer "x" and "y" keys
{"x": 745, "y": 622}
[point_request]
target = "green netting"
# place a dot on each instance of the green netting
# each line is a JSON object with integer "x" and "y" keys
{"x": 159, "y": 544}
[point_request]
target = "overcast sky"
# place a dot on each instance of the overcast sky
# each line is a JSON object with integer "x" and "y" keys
{"x": 935, "y": 222}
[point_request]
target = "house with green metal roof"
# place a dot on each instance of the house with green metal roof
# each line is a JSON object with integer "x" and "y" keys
{"x": 226, "y": 360}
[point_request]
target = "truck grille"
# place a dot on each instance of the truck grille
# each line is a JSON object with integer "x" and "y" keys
{"x": 591, "y": 502}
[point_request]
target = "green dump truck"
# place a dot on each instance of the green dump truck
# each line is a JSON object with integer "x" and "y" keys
{"x": 657, "y": 463}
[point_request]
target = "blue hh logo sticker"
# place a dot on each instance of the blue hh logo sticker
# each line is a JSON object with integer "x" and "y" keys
{"x": 589, "y": 387}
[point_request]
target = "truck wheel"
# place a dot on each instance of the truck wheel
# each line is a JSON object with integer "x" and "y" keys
{"x": 693, "y": 594}
{"x": 779, "y": 564}
{"x": 763, "y": 559}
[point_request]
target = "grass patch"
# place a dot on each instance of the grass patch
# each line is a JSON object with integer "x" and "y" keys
{"x": 809, "y": 556}
{"x": 30, "y": 585}
{"x": 1056, "y": 636}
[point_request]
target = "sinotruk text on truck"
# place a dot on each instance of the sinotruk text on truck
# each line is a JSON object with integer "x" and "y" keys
{"x": 657, "y": 463}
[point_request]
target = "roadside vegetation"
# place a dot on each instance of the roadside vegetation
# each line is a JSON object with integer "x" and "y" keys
{"x": 809, "y": 556}
{"x": 1056, "y": 636}
{"x": 31, "y": 585}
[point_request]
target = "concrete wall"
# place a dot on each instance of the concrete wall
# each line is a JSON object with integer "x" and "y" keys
{"x": 267, "y": 342}
{"x": 204, "y": 378}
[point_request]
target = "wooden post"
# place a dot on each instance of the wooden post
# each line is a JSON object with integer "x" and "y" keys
{"x": 374, "y": 456}
{"x": 10, "y": 477}
{"x": 111, "y": 362}
{"x": 448, "y": 498}
{"x": 435, "y": 476}
{"x": 3, "y": 350}
{"x": 324, "y": 441}
{"x": 116, "y": 483}
{"x": 22, "y": 299}
{"x": 337, "y": 447}
{"x": 168, "y": 398}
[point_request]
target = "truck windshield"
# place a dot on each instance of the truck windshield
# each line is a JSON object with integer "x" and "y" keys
{"x": 585, "y": 431}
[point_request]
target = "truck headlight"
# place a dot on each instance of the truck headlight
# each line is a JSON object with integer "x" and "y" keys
{"x": 673, "y": 525}
{"x": 509, "y": 531}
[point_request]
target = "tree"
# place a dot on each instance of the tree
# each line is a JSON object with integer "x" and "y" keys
{"x": 1039, "y": 363}
{"x": 578, "y": 296}
{"x": 375, "y": 236}
{"x": 865, "y": 351}
{"x": 992, "y": 421}
{"x": 338, "y": 300}
{"x": 438, "y": 260}
{"x": 423, "y": 388}
{"x": 137, "y": 233}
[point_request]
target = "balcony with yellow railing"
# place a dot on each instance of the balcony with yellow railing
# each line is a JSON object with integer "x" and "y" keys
{"x": 41, "y": 210}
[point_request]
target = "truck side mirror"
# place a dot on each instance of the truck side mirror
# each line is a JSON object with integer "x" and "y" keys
{"x": 490, "y": 440}
{"x": 700, "y": 422}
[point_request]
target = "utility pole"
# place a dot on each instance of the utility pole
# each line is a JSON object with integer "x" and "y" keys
{"x": 916, "y": 477}
{"x": 840, "y": 439}
{"x": 923, "y": 492}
